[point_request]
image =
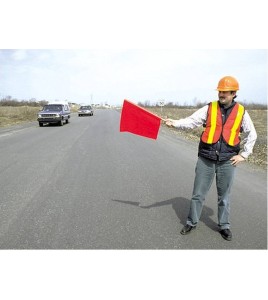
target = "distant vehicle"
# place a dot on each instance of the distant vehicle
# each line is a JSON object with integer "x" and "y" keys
{"x": 86, "y": 110}
{"x": 54, "y": 114}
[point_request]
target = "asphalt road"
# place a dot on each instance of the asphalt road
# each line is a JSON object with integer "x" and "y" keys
{"x": 85, "y": 185}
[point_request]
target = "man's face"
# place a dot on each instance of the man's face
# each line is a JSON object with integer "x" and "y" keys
{"x": 226, "y": 98}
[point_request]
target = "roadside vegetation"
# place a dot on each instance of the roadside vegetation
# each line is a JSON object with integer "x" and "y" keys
{"x": 14, "y": 112}
{"x": 17, "y": 112}
{"x": 10, "y": 115}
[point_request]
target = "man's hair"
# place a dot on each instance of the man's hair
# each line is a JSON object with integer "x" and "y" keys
{"x": 234, "y": 92}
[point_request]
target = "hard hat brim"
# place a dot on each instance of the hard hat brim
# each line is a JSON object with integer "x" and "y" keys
{"x": 227, "y": 90}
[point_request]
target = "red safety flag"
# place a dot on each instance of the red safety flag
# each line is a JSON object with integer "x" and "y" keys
{"x": 139, "y": 121}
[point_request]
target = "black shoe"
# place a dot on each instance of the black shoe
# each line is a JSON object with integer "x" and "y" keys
{"x": 226, "y": 234}
{"x": 187, "y": 229}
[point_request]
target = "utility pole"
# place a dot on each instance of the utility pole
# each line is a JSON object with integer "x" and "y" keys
{"x": 161, "y": 103}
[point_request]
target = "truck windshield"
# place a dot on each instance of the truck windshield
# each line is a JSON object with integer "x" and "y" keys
{"x": 52, "y": 108}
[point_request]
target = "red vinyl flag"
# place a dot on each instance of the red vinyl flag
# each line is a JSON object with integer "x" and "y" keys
{"x": 139, "y": 121}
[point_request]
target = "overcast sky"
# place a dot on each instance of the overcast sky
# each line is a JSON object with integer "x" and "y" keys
{"x": 110, "y": 76}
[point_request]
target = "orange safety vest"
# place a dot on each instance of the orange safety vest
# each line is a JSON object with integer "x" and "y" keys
{"x": 230, "y": 130}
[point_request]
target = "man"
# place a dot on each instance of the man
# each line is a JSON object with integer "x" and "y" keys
{"x": 219, "y": 151}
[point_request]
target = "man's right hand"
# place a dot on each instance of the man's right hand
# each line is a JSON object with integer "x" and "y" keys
{"x": 170, "y": 122}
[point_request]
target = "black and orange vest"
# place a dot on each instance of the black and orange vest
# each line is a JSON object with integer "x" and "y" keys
{"x": 215, "y": 128}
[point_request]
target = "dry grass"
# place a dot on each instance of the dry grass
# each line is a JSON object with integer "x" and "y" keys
{"x": 259, "y": 118}
{"x": 10, "y": 115}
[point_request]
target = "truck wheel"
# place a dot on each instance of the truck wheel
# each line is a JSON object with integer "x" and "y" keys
{"x": 41, "y": 124}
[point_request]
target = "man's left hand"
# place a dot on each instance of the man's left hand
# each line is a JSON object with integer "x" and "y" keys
{"x": 237, "y": 159}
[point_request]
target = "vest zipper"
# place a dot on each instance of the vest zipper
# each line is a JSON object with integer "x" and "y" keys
{"x": 220, "y": 140}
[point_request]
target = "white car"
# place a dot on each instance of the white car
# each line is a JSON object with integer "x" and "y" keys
{"x": 85, "y": 111}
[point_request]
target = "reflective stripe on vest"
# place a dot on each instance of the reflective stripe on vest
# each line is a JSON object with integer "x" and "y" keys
{"x": 231, "y": 129}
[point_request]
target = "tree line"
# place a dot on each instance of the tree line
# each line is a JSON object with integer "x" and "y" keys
{"x": 9, "y": 101}
{"x": 201, "y": 104}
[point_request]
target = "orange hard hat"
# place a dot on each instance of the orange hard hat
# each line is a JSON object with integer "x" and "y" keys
{"x": 228, "y": 83}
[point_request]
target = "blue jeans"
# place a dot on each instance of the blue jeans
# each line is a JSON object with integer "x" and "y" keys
{"x": 204, "y": 174}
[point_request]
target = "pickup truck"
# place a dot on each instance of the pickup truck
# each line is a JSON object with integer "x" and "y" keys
{"x": 54, "y": 114}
